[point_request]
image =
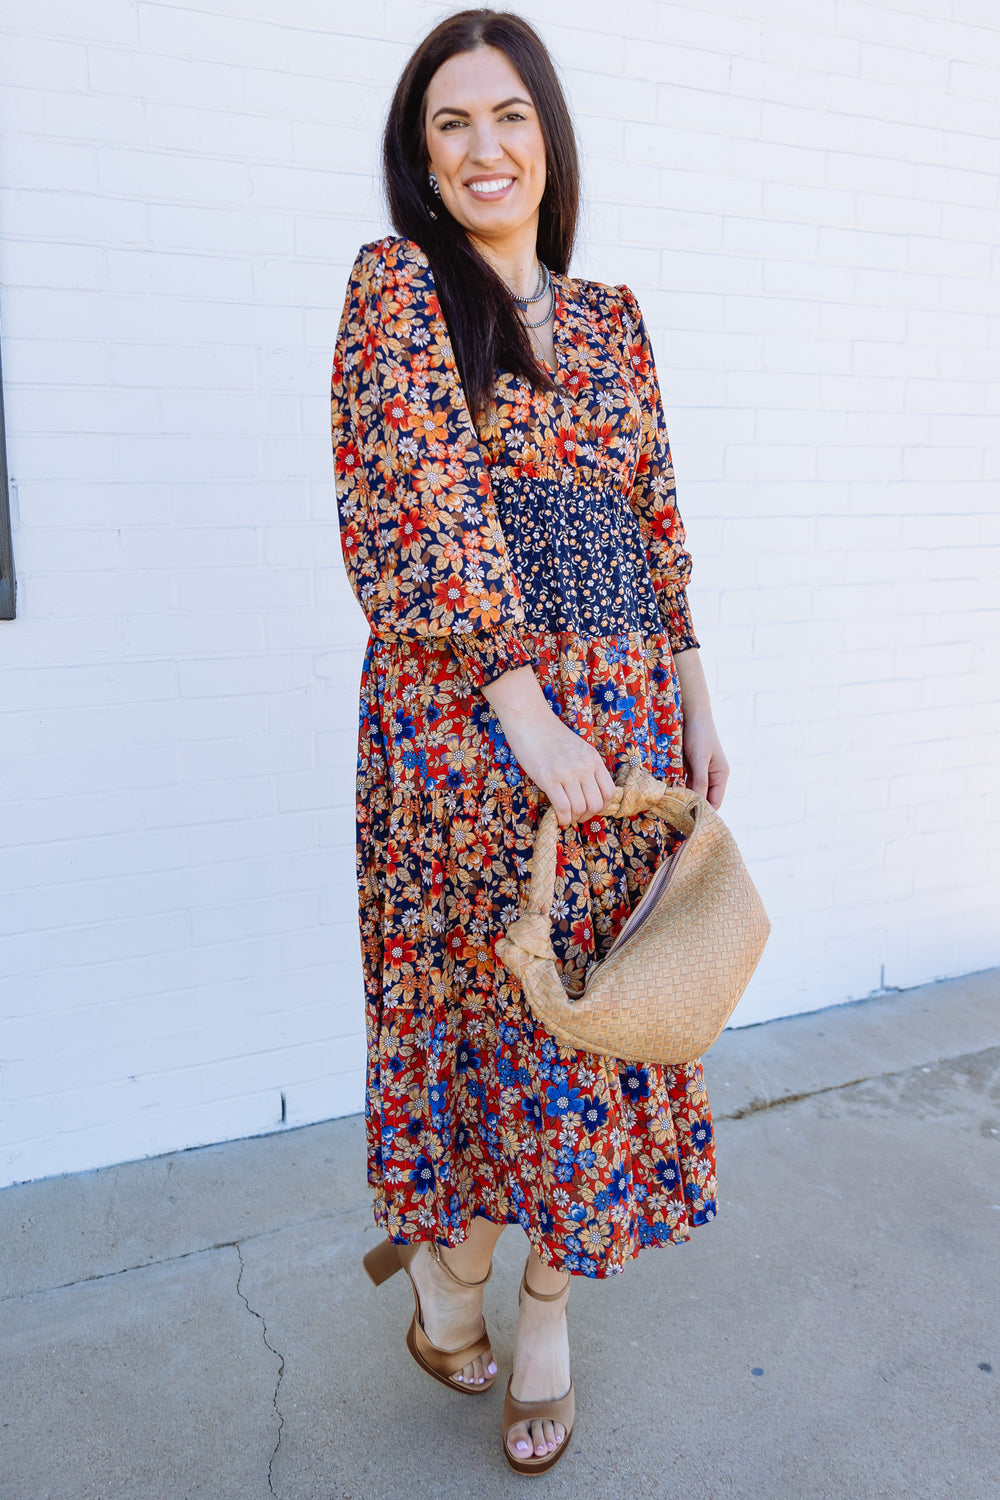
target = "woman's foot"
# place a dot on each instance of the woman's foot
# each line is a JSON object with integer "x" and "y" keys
{"x": 452, "y": 1314}
{"x": 541, "y": 1358}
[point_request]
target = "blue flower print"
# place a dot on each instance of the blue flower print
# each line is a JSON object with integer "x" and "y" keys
{"x": 635, "y": 1083}
{"x": 436, "y": 1098}
{"x": 553, "y": 699}
{"x": 422, "y": 1174}
{"x": 416, "y": 760}
{"x": 701, "y": 1135}
{"x": 507, "y": 1075}
{"x": 467, "y": 1057}
{"x": 605, "y": 695}
{"x": 404, "y": 729}
{"x": 546, "y": 1221}
{"x": 482, "y": 715}
{"x": 669, "y": 1173}
{"x": 562, "y": 1100}
{"x": 621, "y": 1181}
{"x": 594, "y": 1114}
{"x": 617, "y": 648}
{"x": 533, "y": 1110}
{"x": 577, "y": 1213}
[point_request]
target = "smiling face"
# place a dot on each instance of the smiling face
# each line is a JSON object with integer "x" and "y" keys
{"x": 485, "y": 145}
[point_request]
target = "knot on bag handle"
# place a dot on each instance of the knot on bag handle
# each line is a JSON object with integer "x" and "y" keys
{"x": 639, "y": 792}
{"x": 529, "y": 939}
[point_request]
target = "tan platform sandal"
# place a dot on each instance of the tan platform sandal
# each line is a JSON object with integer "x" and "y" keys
{"x": 384, "y": 1261}
{"x": 562, "y": 1411}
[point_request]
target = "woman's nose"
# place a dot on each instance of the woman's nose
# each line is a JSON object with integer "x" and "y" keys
{"x": 486, "y": 146}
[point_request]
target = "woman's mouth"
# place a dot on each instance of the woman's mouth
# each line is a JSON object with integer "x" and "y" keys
{"x": 490, "y": 187}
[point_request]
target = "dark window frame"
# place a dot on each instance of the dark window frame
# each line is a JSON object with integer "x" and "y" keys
{"x": 8, "y": 582}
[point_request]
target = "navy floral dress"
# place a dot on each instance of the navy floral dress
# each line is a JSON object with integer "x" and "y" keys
{"x": 548, "y": 535}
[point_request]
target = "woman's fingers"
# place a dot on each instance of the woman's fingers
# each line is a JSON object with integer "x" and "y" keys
{"x": 587, "y": 797}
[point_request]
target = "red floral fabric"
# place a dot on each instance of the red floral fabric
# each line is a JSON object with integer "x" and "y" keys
{"x": 548, "y": 533}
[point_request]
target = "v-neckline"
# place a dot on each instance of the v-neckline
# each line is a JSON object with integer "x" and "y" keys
{"x": 558, "y": 318}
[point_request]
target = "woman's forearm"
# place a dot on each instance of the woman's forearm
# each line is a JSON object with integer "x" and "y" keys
{"x": 694, "y": 689}
{"x": 517, "y": 695}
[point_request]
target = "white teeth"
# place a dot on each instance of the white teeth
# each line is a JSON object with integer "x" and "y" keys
{"x": 490, "y": 187}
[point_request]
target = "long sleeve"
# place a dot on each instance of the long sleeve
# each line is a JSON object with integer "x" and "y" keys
{"x": 422, "y": 543}
{"x": 654, "y": 495}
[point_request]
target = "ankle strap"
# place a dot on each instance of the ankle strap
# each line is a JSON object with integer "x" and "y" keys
{"x": 545, "y": 1296}
{"x": 435, "y": 1250}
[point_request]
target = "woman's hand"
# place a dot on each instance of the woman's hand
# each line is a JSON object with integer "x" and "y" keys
{"x": 565, "y": 767}
{"x": 706, "y": 769}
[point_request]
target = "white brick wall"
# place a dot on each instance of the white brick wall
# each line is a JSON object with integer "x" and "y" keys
{"x": 804, "y": 198}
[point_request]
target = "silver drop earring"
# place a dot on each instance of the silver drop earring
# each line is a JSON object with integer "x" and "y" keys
{"x": 432, "y": 179}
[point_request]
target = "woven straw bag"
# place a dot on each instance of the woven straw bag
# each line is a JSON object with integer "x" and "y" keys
{"x": 672, "y": 978}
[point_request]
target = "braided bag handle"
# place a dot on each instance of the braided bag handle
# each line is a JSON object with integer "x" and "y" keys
{"x": 665, "y": 994}
{"x": 639, "y": 793}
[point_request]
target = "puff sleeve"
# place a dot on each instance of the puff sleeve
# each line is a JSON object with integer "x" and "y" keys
{"x": 654, "y": 496}
{"x": 422, "y": 543}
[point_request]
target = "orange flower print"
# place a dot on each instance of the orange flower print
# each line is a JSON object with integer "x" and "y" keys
{"x": 346, "y": 460}
{"x": 399, "y": 951}
{"x": 450, "y": 594}
{"x": 583, "y": 934}
{"x": 486, "y": 609}
{"x": 663, "y": 523}
{"x": 409, "y": 531}
{"x": 397, "y": 413}
{"x": 369, "y": 350}
{"x": 566, "y": 445}
{"x": 430, "y": 425}
{"x": 638, "y": 359}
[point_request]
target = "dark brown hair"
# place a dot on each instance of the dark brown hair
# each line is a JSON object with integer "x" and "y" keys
{"x": 487, "y": 333}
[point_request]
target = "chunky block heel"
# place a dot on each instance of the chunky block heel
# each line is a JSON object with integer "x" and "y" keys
{"x": 382, "y": 1262}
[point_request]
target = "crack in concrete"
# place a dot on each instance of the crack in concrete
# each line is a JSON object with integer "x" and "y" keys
{"x": 759, "y": 1106}
{"x": 350, "y": 1219}
{"x": 281, "y": 1366}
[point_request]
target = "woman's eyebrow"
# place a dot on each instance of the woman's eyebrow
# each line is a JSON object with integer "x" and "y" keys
{"x": 447, "y": 109}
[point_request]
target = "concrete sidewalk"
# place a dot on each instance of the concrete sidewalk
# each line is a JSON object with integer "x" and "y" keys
{"x": 199, "y": 1325}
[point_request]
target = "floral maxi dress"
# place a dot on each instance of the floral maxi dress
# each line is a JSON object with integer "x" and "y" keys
{"x": 548, "y": 536}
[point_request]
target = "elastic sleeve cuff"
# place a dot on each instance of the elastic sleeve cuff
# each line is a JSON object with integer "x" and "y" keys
{"x": 675, "y": 612}
{"x": 486, "y": 655}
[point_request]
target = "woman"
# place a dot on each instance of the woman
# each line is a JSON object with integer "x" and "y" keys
{"x": 509, "y": 527}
